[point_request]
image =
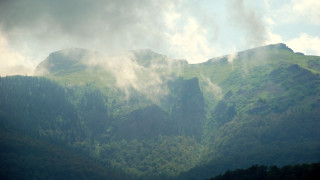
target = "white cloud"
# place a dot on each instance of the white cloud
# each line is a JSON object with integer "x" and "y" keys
{"x": 306, "y": 44}
{"x": 189, "y": 42}
{"x": 170, "y": 18}
{"x": 13, "y": 62}
{"x": 271, "y": 38}
{"x": 308, "y": 10}
{"x": 295, "y": 11}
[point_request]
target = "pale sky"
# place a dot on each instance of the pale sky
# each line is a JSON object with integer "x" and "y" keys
{"x": 195, "y": 30}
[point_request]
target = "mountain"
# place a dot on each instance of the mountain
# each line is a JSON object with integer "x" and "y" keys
{"x": 159, "y": 118}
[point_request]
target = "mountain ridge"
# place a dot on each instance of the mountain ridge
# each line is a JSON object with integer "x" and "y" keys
{"x": 250, "y": 52}
{"x": 66, "y": 59}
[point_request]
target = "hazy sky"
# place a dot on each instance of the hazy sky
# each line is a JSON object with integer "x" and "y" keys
{"x": 195, "y": 30}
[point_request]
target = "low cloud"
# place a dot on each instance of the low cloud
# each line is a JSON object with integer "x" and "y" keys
{"x": 212, "y": 88}
{"x": 232, "y": 57}
{"x": 130, "y": 76}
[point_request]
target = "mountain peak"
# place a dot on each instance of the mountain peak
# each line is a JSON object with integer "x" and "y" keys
{"x": 62, "y": 60}
{"x": 281, "y": 46}
{"x": 262, "y": 50}
{"x": 266, "y": 49}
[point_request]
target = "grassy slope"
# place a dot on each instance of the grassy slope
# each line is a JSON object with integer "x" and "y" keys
{"x": 245, "y": 72}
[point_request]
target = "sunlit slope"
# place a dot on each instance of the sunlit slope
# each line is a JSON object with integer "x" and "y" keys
{"x": 248, "y": 70}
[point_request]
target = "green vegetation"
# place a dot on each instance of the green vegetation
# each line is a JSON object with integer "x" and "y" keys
{"x": 146, "y": 142}
{"x": 158, "y": 118}
{"x": 298, "y": 172}
{"x": 25, "y": 157}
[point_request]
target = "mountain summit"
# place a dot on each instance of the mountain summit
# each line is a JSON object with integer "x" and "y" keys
{"x": 63, "y": 60}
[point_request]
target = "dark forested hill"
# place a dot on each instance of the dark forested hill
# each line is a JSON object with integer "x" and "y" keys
{"x": 158, "y": 118}
{"x": 298, "y": 172}
{"x": 25, "y": 157}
